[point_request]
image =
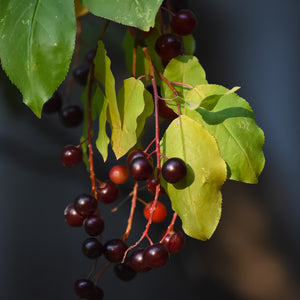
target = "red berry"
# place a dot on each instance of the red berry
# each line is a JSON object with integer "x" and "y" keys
{"x": 72, "y": 217}
{"x": 119, "y": 174}
{"x": 71, "y": 156}
{"x": 184, "y": 22}
{"x": 165, "y": 111}
{"x": 168, "y": 46}
{"x": 159, "y": 214}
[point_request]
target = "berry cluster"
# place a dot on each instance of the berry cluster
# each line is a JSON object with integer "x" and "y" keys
{"x": 140, "y": 166}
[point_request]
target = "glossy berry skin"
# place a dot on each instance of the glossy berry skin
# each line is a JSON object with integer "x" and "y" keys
{"x": 165, "y": 111}
{"x": 137, "y": 261}
{"x": 72, "y": 217}
{"x": 94, "y": 225}
{"x": 168, "y": 46}
{"x": 174, "y": 170}
{"x": 80, "y": 74}
{"x": 184, "y": 22}
{"x": 156, "y": 255}
{"x": 71, "y": 156}
{"x": 71, "y": 116}
{"x": 114, "y": 250}
{"x": 83, "y": 288}
{"x": 108, "y": 192}
{"x": 159, "y": 214}
{"x": 119, "y": 174}
{"x": 124, "y": 271}
{"x": 135, "y": 154}
{"x": 53, "y": 104}
{"x": 85, "y": 205}
{"x": 92, "y": 248}
{"x": 151, "y": 186}
{"x": 140, "y": 168}
{"x": 174, "y": 241}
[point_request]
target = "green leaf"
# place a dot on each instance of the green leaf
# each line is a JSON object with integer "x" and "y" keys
{"x": 142, "y": 66}
{"x": 240, "y": 140}
{"x": 131, "y": 106}
{"x": 197, "y": 199}
{"x": 137, "y": 13}
{"x": 148, "y": 110}
{"x": 102, "y": 140}
{"x": 37, "y": 43}
{"x": 184, "y": 69}
{"x": 206, "y": 96}
{"x": 189, "y": 44}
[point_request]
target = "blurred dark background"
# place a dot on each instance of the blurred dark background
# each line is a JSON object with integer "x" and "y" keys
{"x": 254, "y": 253}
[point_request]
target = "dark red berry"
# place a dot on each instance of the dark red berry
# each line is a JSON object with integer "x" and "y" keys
{"x": 71, "y": 116}
{"x": 92, "y": 248}
{"x": 165, "y": 111}
{"x": 156, "y": 255}
{"x": 159, "y": 214}
{"x": 140, "y": 168}
{"x": 89, "y": 57}
{"x": 96, "y": 294}
{"x": 71, "y": 156}
{"x": 83, "y": 288}
{"x": 53, "y": 104}
{"x": 174, "y": 170}
{"x": 94, "y": 225}
{"x": 85, "y": 205}
{"x": 137, "y": 261}
{"x": 134, "y": 154}
{"x": 108, "y": 192}
{"x": 151, "y": 186}
{"x": 124, "y": 271}
{"x": 72, "y": 217}
{"x": 168, "y": 46}
{"x": 184, "y": 22}
{"x": 174, "y": 241}
{"x": 114, "y": 250}
{"x": 119, "y": 174}
{"x": 81, "y": 73}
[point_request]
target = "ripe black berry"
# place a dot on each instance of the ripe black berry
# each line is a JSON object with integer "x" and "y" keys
{"x": 92, "y": 248}
{"x": 173, "y": 170}
{"x": 72, "y": 217}
{"x": 108, "y": 192}
{"x": 83, "y": 288}
{"x": 151, "y": 186}
{"x": 71, "y": 156}
{"x": 137, "y": 261}
{"x": 71, "y": 116}
{"x": 124, "y": 271}
{"x": 169, "y": 46}
{"x": 184, "y": 22}
{"x": 53, "y": 104}
{"x": 134, "y": 154}
{"x": 156, "y": 255}
{"x": 140, "y": 168}
{"x": 81, "y": 73}
{"x": 114, "y": 250}
{"x": 165, "y": 111}
{"x": 94, "y": 225}
{"x": 174, "y": 241}
{"x": 85, "y": 205}
{"x": 96, "y": 294}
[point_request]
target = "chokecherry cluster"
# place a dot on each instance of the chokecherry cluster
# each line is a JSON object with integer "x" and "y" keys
{"x": 84, "y": 212}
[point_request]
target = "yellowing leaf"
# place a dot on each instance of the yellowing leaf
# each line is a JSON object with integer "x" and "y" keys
{"x": 196, "y": 199}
